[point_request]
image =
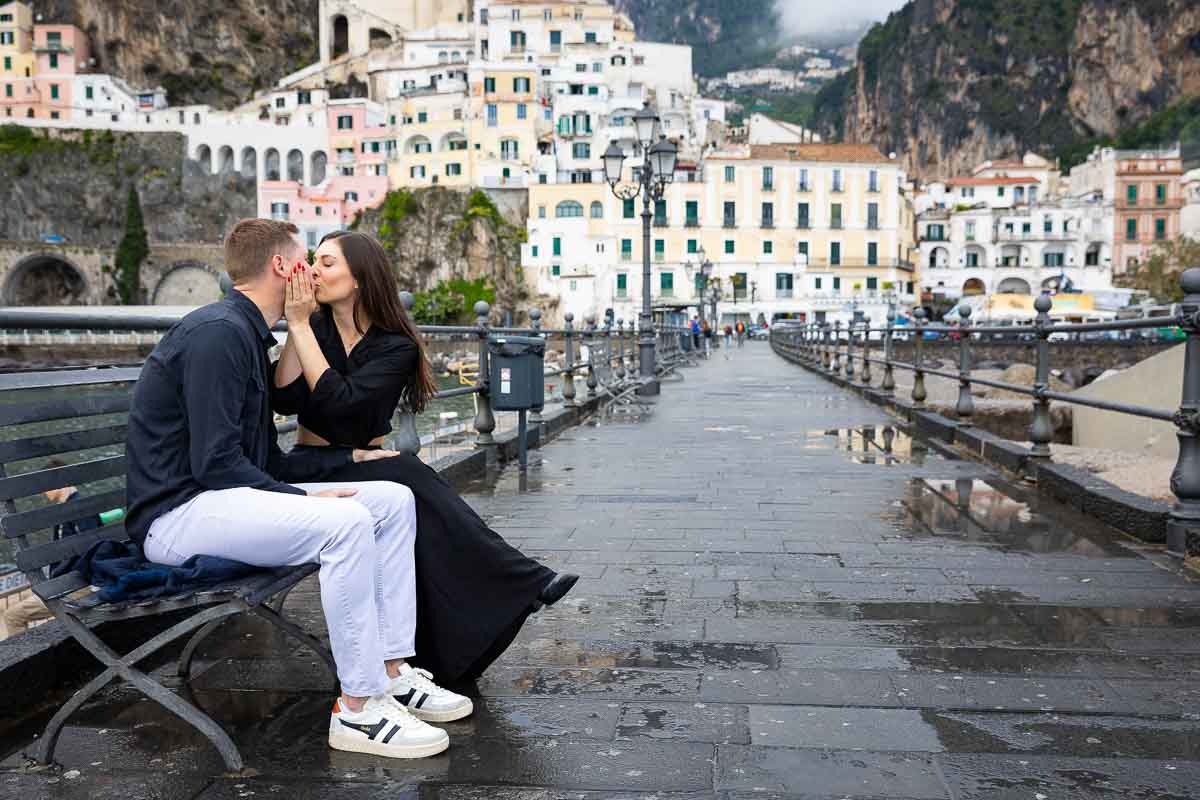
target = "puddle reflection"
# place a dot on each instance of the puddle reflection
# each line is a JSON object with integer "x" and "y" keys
{"x": 883, "y": 445}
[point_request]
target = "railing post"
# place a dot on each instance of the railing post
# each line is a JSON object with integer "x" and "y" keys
{"x": 485, "y": 420}
{"x": 406, "y": 440}
{"x": 1041, "y": 431}
{"x": 889, "y": 380}
{"x": 591, "y": 340}
{"x": 836, "y": 366}
{"x": 850, "y": 351}
{"x": 965, "y": 408}
{"x": 620, "y": 371}
{"x": 826, "y": 350}
{"x": 918, "y": 390}
{"x": 535, "y": 327}
{"x": 866, "y": 353}
{"x": 1183, "y": 526}
{"x": 568, "y": 376}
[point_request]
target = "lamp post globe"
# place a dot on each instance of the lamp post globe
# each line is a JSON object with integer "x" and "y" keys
{"x": 646, "y": 124}
{"x": 614, "y": 159}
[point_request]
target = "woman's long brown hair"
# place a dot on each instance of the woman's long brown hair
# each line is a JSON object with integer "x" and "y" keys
{"x": 379, "y": 299}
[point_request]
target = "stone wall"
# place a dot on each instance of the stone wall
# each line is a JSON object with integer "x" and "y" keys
{"x": 1078, "y": 355}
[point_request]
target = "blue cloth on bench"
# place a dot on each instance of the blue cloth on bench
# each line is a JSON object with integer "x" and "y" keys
{"x": 122, "y": 573}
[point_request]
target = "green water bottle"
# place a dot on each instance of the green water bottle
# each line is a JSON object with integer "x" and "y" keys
{"x": 113, "y": 515}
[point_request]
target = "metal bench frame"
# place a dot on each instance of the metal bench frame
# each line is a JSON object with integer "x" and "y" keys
{"x": 261, "y": 594}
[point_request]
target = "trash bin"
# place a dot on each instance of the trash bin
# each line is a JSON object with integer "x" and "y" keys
{"x": 516, "y": 372}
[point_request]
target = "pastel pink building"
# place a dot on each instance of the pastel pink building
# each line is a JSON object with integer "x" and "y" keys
{"x": 44, "y": 87}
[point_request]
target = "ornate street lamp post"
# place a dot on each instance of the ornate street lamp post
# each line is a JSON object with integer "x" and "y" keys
{"x": 652, "y": 176}
{"x": 706, "y": 268}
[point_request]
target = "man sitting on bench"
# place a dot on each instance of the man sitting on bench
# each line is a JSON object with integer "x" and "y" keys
{"x": 206, "y": 476}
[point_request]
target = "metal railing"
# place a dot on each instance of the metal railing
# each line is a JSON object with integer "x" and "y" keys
{"x": 835, "y": 349}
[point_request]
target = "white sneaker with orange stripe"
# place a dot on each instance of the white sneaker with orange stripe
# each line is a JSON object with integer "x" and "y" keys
{"x": 384, "y": 728}
{"x": 415, "y": 690}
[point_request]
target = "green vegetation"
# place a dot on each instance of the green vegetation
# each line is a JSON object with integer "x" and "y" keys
{"x": 724, "y": 34}
{"x": 397, "y": 207}
{"x": 131, "y": 252}
{"x": 481, "y": 207}
{"x": 452, "y": 301}
{"x": 1159, "y": 274}
{"x": 794, "y": 108}
{"x": 1177, "y": 123}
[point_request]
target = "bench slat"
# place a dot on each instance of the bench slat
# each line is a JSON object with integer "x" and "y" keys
{"x": 68, "y": 377}
{"x": 42, "y": 480}
{"x": 28, "y": 521}
{"x": 58, "y": 408}
{"x": 58, "y": 443}
{"x": 60, "y": 586}
{"x": 41, "y": 555}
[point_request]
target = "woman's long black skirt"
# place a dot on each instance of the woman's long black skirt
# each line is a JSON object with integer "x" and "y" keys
{"x": 474, "y": 590}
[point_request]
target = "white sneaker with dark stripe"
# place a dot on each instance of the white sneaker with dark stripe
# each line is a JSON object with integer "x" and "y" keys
{"x": 384, "y": 728}
{"x": 415, "y": 690}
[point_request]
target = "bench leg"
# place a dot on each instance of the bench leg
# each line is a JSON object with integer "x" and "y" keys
{"x": 122, "y": 666}
{"x": 189, "y": 651}
{"x": 295, "y": 631}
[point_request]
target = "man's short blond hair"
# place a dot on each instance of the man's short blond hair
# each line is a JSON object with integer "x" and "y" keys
{"x": 253, "y": 242}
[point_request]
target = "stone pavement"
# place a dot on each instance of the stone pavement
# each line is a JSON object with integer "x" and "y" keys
{"x": 783, "y": 596}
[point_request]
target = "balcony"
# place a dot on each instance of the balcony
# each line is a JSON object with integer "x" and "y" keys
{"x": 660, "y": 257}
{"x": 803, "y": 187}
{"x": 52, "y": 47}
{"x": 872, "y": 224}
{"x": 627, "y": 255}
{"x": 818, "y": 264}
{"x": 803, "y": 225}
{"x": 729, "y": 223}
{"x": 783, "y": 294}
{"x": 837, "y": 188}
{"x": 836, "y": 225}
{"x": 931, "y": 237}
{"x": 767, "y": 223}
{"x": 661, "y": 222}
{"x": 1033, "y": 236}
{"x": 691, "y": 222}
{"x": 768, "y": 187}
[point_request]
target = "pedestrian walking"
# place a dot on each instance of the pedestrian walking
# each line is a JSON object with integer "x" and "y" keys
{"x": 741, "y": 332}
{"x": 728, "y": 340}
{"x": 707, "y": 332}
{"x": 695, "y": 333}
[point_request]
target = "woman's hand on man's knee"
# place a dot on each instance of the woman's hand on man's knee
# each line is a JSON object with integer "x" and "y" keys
{"x": 373, "y": 455}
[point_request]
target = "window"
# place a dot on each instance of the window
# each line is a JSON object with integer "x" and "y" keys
{"x": 422, "y": 117}
{"x": 817, "y": 284}
{"x": 627, "y": 210}
{"x": 660, "y": 250}
{"x": 280, "y": 102}
{"x": 1131, "y": 193}
{"x": 693, "y": 246}
{"x": 970, "y": 231}
{"x": 567, "y": 209}
{"x": 54, "y": 91}
{"x": 541, "y": 212}
{"x": 768, "y": 179}
{"x": 802, "y": 215}
{"x": 739, "y": 285}
{"x": 7, "y": 63}
{"x": 1000, "y": 191}
{"x": 835, "y": 253}
{"x": 802, "y": 250}
{"x": 581, "y": 67}
{"x": 872, "y": 254}
{"x": 972, "y": 259}
{"x": 54, "y": 61}
{"x": 522, "y": 111}
{"x": 872, "y": 283}
{"x": 555, "y": 41}
{"x": 768, "y": 247}
{"x": 639, "y": 61}
{"x": 837, "y": 284}
{"x": 1052, "y": 259}
{"x": 547, "y": 14}
{"x": 837, "y": 180}
{"x": 6, "y": 17}
{"x": 1048, "y": 225}
{"x": 521, "y": 85}
{"x": 835, "y": 215}
{"x": 627, "y": 249}
{"x": 581, "y": 150}
{"x": 729, "y": 246}
{"x": 416, "y": 172}
{"x": 783, "y": 284}
{"x": 516, "y": 40}
{"x": 556, "y": 246}
{"x": 873, "y": 181}
{"x": 660, "y": 213}
{"x": 88, "y": 92}
{"x": 666, "y": 282}
{"x": 1160, "y": 193}
{"x": 457, "y": 144}
{"x": 345, "y": 122}
{"x": 1160, "y": 229}
{"x": 453, "y": 169}
{"x": 1131, "y": 230}
{"x": 729, "y": 175}
{"x": 873, "y": 216}
{"x": 730, "y": 219}
{"x": 304, "y": 98}
{"x": 597, "y": 210}
{"x": 516, "y": 14}
{"x": 6, "y": 37}
{"x": 493, "y": 115}
{"x": 803, "y": 183}
{"x": 350, "y": 197}
{"x": 489, "y": 85}
{"x": 1026, "y": 227}
{"x": 53, "y": 115}
{"x": 279, "y": 211}
{"x": 622, "y": 284}
{"x": 556, "y": 270}
{"x": 1092, "y": 257}
{"x": 589, "y": 37}
{"x": 593, "y": 90}
{"x": 8, "y": 92}
{"x": 768, "y": 215}
{"x": 692, "y": 213}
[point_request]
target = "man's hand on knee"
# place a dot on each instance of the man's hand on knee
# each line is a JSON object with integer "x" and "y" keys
{"x": 373, "y": 455}
{"x": 335, "y": 493}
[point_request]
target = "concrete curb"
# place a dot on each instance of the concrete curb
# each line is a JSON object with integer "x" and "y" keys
{"x": 1138, "y": 516}
{"x": 48, "y": 664}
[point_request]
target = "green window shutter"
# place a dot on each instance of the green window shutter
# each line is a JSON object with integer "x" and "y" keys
{"x": 837, "y": 283}
{"x": 667, "y": 281}
{"x": 729, "y": 174}
{"x": 660, "y": 246}
{"x": 693, "y": 210}
{"x": 1131, "y": 229}
{"x": 1131, "y": 194}
{"x": 628, "y": 209}
{"x": 729, "y": 246}
{"x": 1160, "y": 229}
{"x": 557, "y": 246}
{"x": 622, "y": 282}
{"x": 1160, "y": 192}
{"x": 872, "y": 283}
{"x": 555, "y": 270}
{"x": 768, "y": 247}
{"x": 535, "y": 251}
{"x": 627, "y": 245}
{"x": 692, "y": 246}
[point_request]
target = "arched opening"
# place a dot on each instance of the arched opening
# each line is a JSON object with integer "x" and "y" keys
{"x": 567, "y": 209}
{"x": 974, "y": 256}
{"x": 1054, "y": 283}
{"x": 1013, "y": 286}
{"x": 379, "y": 38}
{"x": 225, "y": 159}
{"x": 295, "y": 166}
{"x": 597, "y": 210}
{"x": 318, "y": 163}
{"x": 1010, "y": 255}
{"x": 187, "y": 283}
{"x": 271, "y": 165}
{"x": 973, "y": 287}
{"x": 1091, "y": 258}
{"x": 939, "y": 257}
{"x": 204, "y": 157}
{"x": 443, "y": 57}
{"x": 1055, "y": 256}
{"x": 454, "y": 141}
{"x": 340, "y": 44}
{"x": 45, "y": 279}
{"x": 418, "y": 144}
{"x": 249, "y": 162}
{"x": 455, "y": 57}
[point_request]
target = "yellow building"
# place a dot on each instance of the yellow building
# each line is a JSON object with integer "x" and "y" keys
{"x": 16, "y": 41}
{"x": 823, "y": 232}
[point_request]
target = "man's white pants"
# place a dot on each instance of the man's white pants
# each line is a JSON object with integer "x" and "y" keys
{"x": 363, "y": 543}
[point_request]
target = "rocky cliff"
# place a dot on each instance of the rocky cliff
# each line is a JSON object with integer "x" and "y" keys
{"x": 201, "y": 51}
{"x": 947, "y": 84}
{"x": 75, "y": 186}
{"x": 724, "y": 34}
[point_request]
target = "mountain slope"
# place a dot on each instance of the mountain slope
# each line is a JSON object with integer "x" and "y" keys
{"x": 725, "y": 34}
{"x": 950, "y": 83}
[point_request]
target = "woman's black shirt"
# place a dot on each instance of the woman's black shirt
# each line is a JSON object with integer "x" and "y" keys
{"x": 355, "y": 398}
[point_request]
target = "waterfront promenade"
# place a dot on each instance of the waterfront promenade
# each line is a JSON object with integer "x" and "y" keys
{"x": 771, "y": 607}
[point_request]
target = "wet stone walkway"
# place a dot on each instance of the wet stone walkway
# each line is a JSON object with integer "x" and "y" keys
{"x": 783, "y": 596}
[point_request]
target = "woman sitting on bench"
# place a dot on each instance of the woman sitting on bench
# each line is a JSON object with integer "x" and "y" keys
{"x": 352, "y": 356}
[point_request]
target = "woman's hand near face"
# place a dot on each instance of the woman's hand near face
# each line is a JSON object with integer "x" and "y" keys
{"x": 300, "y": 300}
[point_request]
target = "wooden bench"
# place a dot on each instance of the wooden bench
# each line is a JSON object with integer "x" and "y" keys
{"x": 79, "y": 416}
